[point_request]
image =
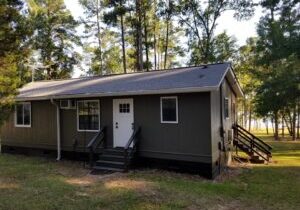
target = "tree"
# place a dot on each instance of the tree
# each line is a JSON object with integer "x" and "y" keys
{"x": 245, "y": 66}
{"x": 54, "y": 38}
{"x": 200, "y": 20}
{"x": 278, "y": 52}
{"x": 93, "y": 16}
{"x": 222, "y": 48}
{"x": 116, "y": 16}
{"x": 13, "y": 51}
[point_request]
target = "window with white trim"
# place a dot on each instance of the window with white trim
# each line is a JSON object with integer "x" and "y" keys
{"x": 226, "y": 108}
{"x": 88, "y": 115}
{"x": 169, "y": 109}
{"x": 23, "y": 114}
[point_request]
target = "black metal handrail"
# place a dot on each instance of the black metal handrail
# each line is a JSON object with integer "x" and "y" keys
{"x": 134, "y": 139}
{"x": 92, "y": 146}
{"x": 252, "y": 142}
{"x": 254, "y": 151}
{"x": 254, "y": 137}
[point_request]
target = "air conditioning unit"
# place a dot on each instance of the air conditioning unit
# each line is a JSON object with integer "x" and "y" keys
{"x": 68, "y": 104}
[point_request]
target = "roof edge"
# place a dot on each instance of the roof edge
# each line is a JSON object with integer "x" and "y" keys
{"x": 235, "y": 85}
{"x": 128, "y": 93}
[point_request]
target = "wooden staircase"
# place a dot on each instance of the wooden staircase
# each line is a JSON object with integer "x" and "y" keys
{"x": 255, "y": 148}
{"x": 117, "y": 159}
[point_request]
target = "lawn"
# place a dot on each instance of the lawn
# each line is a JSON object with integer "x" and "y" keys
{"x": 37, "y": 183}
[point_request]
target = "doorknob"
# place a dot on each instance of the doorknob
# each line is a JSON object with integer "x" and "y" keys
{"x": 117, "y": 125}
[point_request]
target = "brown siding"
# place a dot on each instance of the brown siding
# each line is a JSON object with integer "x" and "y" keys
{"x": 216, "y": 122}
{"x": 42, "y": 133}
{"x": 188, "y": 140}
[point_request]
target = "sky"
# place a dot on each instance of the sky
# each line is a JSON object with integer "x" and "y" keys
{"x": 241, "y": 30}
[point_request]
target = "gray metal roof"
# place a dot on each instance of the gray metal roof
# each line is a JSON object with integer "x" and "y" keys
{"x": 189, "y": 79}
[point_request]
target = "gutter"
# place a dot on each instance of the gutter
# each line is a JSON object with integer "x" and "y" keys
{"x": 58, "y": 129}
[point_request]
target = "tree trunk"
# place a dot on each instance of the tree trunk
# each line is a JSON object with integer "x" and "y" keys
{"x": 158, "y": 52}
{"x": 276, "y": 126}
{"x": 154, "y": 49}
{"x": 287, "y": 125}
{"x": 99, "y": 38}
{"x": 298, "y": 120}
{"x": 267, "y": 126}
{"x": 294, "y": 122}
{"x": 245, "y": 113}
{"x": 123, "y": 44}
{"x": 166, "y": 44}
{"x": 272, "y": 123}
{"x": 282, "y": 127}
{"x": 139, "y": 36}
{"x": 146, "y": 40}
{"x": 250, "y": 117}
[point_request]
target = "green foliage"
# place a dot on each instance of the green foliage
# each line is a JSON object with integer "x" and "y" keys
{"x": 54, "y": 38}
{"x": 200, "y": 22}
{"x": 222, "y": 48}
{"x": 13, "y": 34}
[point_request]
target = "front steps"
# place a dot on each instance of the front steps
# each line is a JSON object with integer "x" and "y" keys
{"x": 113, "y": 160}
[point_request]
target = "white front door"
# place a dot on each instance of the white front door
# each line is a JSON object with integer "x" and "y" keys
{"x": 122, "y": 121}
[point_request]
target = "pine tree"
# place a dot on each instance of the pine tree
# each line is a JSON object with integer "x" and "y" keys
{"x": 278, "y": 50}
{"x": 54, "y": 38}
{"x": 13, "y": 34}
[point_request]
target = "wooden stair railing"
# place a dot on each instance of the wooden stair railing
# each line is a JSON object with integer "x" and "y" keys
{"x": 250, "y": 143}
{"x": 134, "y": 139}
{"x": 95, "y": 142}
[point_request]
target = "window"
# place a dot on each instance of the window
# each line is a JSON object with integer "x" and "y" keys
{"x": 226, "y": 108}
{"x": 23, "y": 114}
{"x": 124, "y": 108}
{"x": 169, "y": 109}
{"x": 88, "y": 112}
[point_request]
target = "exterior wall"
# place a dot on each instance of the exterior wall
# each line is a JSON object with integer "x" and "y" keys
{"x": 41, "y": 134}
{"x": 189, "y": 140}
{"x": 222, "y": 158}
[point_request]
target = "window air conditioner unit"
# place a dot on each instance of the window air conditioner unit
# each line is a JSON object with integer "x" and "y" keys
{"x": 67, "y": 104}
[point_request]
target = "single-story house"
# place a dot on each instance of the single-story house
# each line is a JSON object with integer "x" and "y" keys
{"x": 180, "y": 118}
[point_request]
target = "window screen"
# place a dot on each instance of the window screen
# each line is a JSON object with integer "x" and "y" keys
{"x": 169, "y": 110}
{"x": 88, "y": 115}
{"x": 23, "y": 114}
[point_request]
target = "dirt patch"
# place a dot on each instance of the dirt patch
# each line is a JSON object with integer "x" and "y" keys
{"x": 168, "y": 174}
{"x": 89, "y": 179}
{"x": 71, "y": 168}
{"x": 130, "y": 184}
{"x": 8, "y": 184}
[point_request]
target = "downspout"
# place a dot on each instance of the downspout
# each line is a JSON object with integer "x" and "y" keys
{"x": 58, "y": 129}
{"x": 222, "y": 133}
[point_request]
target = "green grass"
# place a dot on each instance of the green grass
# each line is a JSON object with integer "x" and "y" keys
{"x": 38, "y": 183}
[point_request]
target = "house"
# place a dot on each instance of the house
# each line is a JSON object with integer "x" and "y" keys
{"x": 179, "y": 118}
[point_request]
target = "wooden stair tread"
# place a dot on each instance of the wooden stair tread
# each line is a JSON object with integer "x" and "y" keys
{"x": 104, "y": 168}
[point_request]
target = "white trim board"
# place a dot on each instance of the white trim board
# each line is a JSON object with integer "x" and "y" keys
{"x": 77, "y": 115}
{"x": 161, "y": 113}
